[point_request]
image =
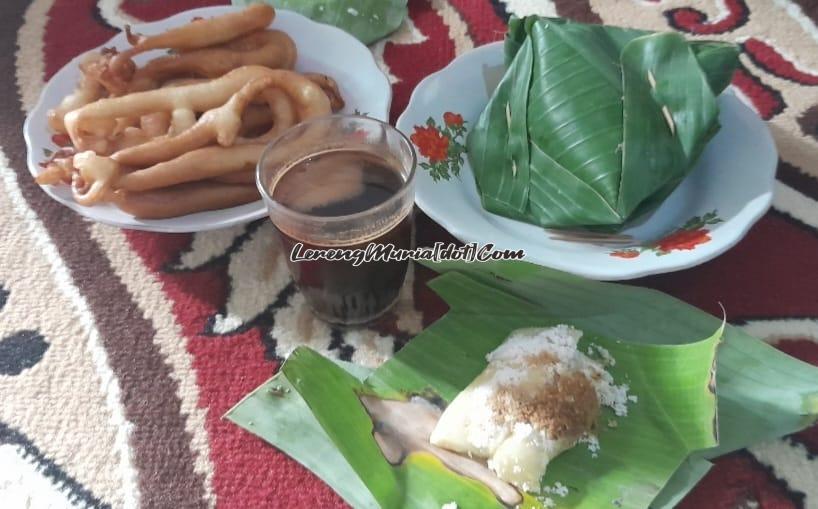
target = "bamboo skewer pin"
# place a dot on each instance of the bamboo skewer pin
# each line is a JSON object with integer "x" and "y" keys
{"x": 665, "y": 110}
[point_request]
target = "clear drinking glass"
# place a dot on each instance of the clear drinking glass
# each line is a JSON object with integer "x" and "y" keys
{"x": 305, "y": 212}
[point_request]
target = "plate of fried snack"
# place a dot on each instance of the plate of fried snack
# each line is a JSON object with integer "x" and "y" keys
{"x": 160, "y": 128}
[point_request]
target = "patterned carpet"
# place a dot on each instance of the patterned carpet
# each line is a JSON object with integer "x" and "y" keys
{"x": 121, "y": 350}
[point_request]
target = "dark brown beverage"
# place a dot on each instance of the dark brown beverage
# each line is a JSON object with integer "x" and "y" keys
{"x": 337, "y": 183}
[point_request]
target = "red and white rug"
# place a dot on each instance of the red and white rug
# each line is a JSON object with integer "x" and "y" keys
{"x": 121, "y": 350}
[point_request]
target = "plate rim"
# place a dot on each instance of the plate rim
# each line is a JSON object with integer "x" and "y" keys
{"x": 170, "y": 225}
{"x": 614, "y": 272}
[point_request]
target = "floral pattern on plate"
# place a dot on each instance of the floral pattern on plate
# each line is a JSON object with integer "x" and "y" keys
{"x": 443, "y": 145}
{"x": 692, "y": 234}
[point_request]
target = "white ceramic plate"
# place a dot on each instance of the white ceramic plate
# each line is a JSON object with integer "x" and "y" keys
{"x": 321, "y": 48}
{"x": 728, "y": 191}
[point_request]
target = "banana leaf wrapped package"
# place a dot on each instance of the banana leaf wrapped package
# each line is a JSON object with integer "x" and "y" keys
{"x": 593, "y": 125}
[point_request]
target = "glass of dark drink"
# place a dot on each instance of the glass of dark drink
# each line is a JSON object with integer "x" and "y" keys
{"x": 340, "y": 189}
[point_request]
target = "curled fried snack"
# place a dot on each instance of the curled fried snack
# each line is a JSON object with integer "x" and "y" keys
{"x": 113, "y": 78}
{"x": 124, "y": 122}
{"x": 94, "y": 121}
{"x": 181, "y": 119}
{"x": 270, "y": 48}
{"x": 204, "y": 163}
{"x": 58, "y": 170}
{"x": 183, "y": 133}
{"x": 88, "y": 90}
{"x": 94, "y": 178}
{"x": 183, "y": 199}
{"x": 330, "y": 87}
{"x": 117, "y": 69}
{"x": 240, "y": 177}
{"x": 155, "y": 124}
{"x": 205, "y": 32}
{"x": 197, "y": 34}
{"x": 221, "y": 124}
{"x": 129, "y": 137}
{"x": 282, "y": 115}
{"x": 130, "y": 131}
{"x": 265, "y": 120}
{"x": 178, "y": 82}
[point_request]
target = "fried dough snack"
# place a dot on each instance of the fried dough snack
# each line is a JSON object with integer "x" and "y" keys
{"x": 184, "y": 132}
{"x": 199, "y": 164}
{"x": 201, "y": 33}
{"x": 88, "y": 90}
{"x": 183, "y": 199}
{"x": 269, "y": 48}
{"x": 240, "y": 177}
{"x": 220, "y": 124}
{"x": 283, "y": 115}
{"x": 59, "y": 170}
{"x": 197, "y": 34}
{"x": 155, "y": 124}
{"x": 272, "y": 115}
{"x": 95, "y": 177}
{"x": 89, "y": 125}
{"x": 330, "y": 87}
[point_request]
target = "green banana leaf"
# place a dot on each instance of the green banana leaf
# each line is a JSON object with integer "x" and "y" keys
{"x": 717, "y": 58}
{"x": 366, "y": 20}
{"x": 310, "y": 408}
{"x": 592, "y": 125}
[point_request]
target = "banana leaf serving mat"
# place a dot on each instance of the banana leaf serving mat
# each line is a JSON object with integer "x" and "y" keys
{"x": 121, "y": 350}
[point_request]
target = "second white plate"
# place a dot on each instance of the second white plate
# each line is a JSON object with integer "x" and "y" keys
{"x": 714, "y": 207}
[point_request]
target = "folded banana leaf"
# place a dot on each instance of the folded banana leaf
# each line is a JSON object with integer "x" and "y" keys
{"x": 367, "y": 20}
{"x": 311, "y": 408}
{"x": 592, "y": 125}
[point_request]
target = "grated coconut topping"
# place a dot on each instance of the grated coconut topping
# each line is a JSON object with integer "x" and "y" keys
{"x": 593, "y": 443}
{"x": 554, "y": 350}
{"x": 541, "y": 391}
{"x": 560, "y": 343}
{"x": 557, "y": 489}
{"x": 602, "y": 353}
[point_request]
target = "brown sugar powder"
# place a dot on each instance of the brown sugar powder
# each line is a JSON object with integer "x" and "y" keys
{"x": 567, "y": 407}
